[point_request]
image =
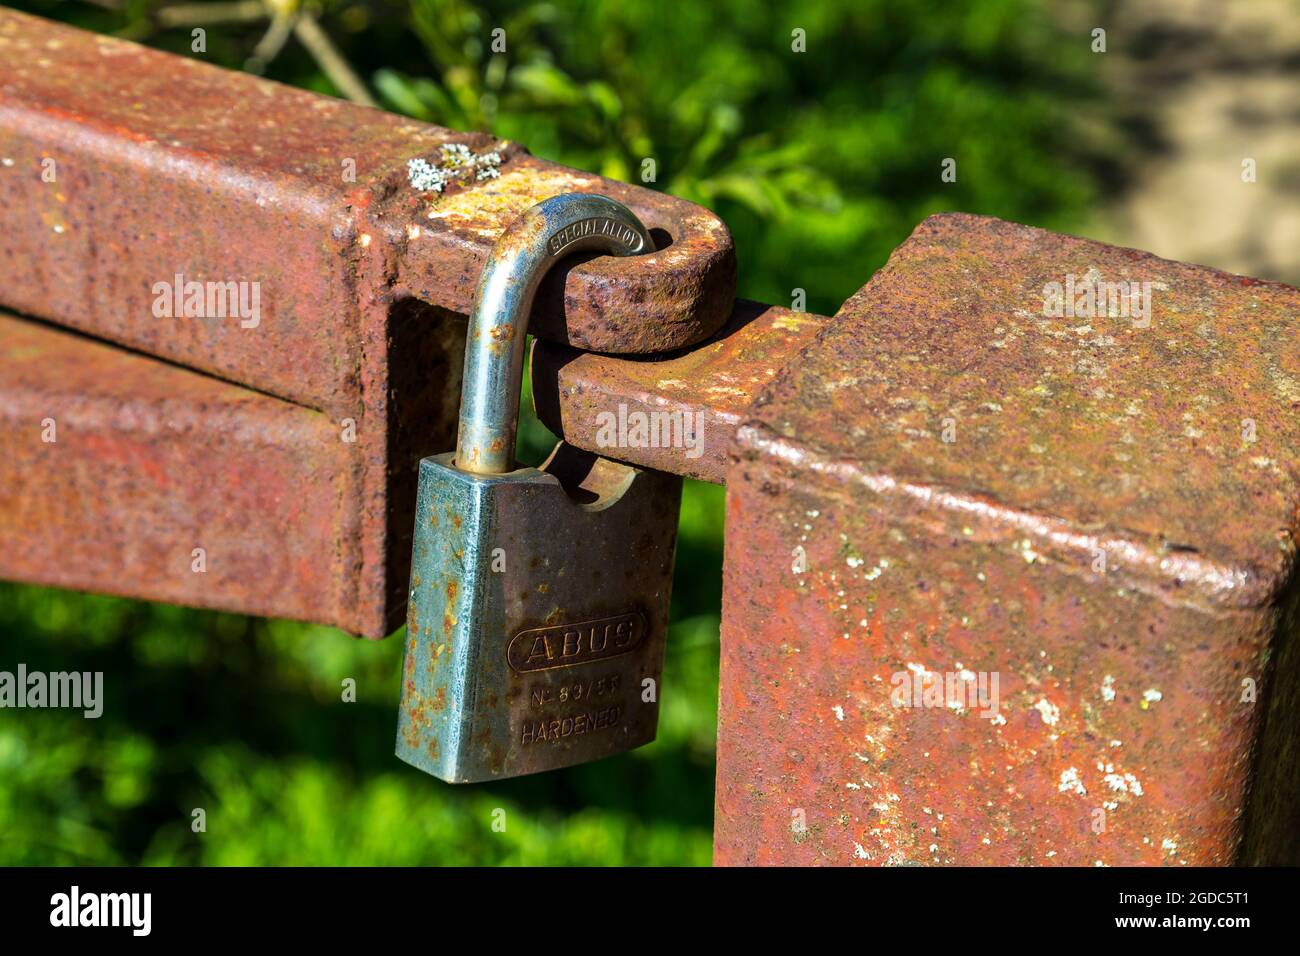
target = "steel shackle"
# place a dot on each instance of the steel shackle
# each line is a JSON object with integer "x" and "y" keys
{"x": 494, "y": 349}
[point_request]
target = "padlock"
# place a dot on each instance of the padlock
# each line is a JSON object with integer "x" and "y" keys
{"x": 539, "y": 596}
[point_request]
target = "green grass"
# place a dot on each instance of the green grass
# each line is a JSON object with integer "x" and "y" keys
{"x": 820, "y": 162}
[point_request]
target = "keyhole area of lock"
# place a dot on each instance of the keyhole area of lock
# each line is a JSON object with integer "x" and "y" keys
{"x": 589, "y": 480}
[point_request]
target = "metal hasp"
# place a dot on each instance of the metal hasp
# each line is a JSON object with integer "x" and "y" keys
{"x": 539, "y": 597}
{"x": 711, "y": 386}
{"x": 1011, "y": 583}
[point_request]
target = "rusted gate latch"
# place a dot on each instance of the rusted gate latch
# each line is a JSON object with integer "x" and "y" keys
{"x": 293, "y": 290}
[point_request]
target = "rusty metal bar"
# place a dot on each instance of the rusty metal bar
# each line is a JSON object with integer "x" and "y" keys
{"x": 126, "y": 173}
{"x": 361, "y": 538}
{"x": 127, "y": 475}
{"x": 597, "y": 402}
{"x": 956, "y": 486}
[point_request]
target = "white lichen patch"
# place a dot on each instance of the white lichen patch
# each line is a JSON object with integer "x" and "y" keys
{"x": 1108, "y": 688}
{"x": 1048, "y": 711}
{"x": 1120, "y": 782}
{"x": 459, "y": 164}
{"x": 1070, "y": 782}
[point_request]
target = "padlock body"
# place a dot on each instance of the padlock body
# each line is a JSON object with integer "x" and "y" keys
{"x": 538, "y": 612}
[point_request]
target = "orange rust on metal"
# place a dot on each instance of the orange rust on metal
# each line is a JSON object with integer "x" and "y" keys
{"x": 128, "y": 172}
{"x": 673, "y": 297}
{"x": 690, "y": 402}
{"x": 964, "y": 480}
{"x": 126, "y": 475}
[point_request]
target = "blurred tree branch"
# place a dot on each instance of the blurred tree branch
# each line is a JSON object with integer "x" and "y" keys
{"x": 287, "y": 18}
{"x": 312, "y": 36}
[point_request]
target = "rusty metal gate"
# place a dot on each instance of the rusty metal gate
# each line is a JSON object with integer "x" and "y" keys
{"x": 998, "y": 581}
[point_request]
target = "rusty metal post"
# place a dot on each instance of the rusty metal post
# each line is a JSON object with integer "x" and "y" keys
{"x": 1011, "y": 579}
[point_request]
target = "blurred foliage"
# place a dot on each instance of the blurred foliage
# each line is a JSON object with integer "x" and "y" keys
{"x": 244, "y": 719}
{"x": 821, "y": 163}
